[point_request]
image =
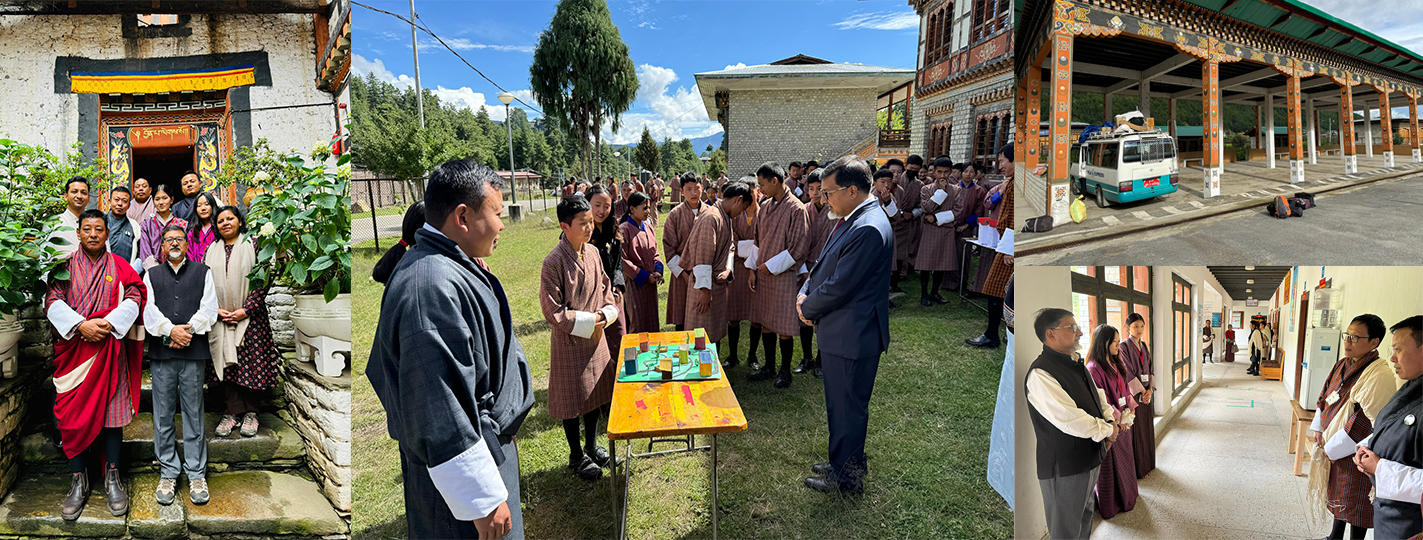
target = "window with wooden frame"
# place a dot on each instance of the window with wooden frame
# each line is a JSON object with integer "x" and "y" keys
{"x": 1107, "y": 295}
{"x": 939, "y": 135}
{"x": 940, "y": 29}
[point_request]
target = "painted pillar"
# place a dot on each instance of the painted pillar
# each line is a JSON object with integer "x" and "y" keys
{"x": 1210, "y": 128}
{"x": 1270, "y": 131}
{"x": 1346, "y": 129}
{"x": 1413, "y": 127}
{"x": 1385, "y": 126}
{"x": 1060, "y": 130}
{"x": 1107, "y": 115}
{"x": 1368, "y": 129}
{"x": 1292, "y": 112}
{"x": 1311, "y": 130}
{"x": 1034, "y": 121}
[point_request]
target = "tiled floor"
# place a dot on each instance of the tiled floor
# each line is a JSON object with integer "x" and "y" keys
{"x": 1222, "y": 470}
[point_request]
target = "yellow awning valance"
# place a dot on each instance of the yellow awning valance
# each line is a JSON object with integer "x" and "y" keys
{"x": 154, "y": 82}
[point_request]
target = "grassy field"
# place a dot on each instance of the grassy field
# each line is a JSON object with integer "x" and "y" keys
{"x": 929, "y": 430}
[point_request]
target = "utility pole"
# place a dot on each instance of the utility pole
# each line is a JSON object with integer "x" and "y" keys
{"x": 415, "y": 48}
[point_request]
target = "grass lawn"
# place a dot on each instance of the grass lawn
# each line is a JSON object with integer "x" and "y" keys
{"x": 928, "y": 442}
{"x": 387, "y": 211}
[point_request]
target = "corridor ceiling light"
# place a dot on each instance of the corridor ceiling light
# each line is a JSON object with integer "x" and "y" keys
{"x": 1250, "y": 281}
{"x": 1249, "y": 290}
{"x": 1250, "y": 268}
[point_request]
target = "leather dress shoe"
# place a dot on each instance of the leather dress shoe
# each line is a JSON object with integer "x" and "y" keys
{"x": 826, "y": 485}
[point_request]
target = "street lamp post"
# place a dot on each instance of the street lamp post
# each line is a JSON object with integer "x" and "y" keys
{"x": 514, "y": 210}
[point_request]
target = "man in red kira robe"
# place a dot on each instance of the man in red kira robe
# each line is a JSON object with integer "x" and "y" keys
{"x": 782, "y": 246}
{"x": 674, "y": 242}
{"x": 97, "y": 360}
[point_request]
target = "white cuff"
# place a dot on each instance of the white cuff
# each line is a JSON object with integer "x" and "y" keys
{"x": 753, "y": 257}
{"x": 1005, "y": 244}
{"x": 944, "y": 218}
{"x": 122, "y": 317}
{"x": 743, "y": 247}
{"x": 610, "y": 313}
{"x": 918, "y": 212}
{"x": 1314, "y": 424}
{"x": 703, "y": 275}
{"x": 891, "y": 210}
{"x": 939, "y": 196}
{"x": 803, "y": 270}
{"x": 673, "y": 266}
{"x": 64, "y": 319}
{"x": 1396, "y": 481}
{"x": 780, "y": 263}
{"x": 470, "y": 483}
{"x": 583, "y": 324}
{"x": 797, "y": 192}
{"x": 1339, "y": 446}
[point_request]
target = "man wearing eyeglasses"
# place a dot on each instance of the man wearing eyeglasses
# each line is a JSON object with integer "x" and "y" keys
{"x": 1072, "y": 432}
{"x": 1392, "y": 456}
{"x": 182, "y": 308}
{"x": 1357, "y": 389}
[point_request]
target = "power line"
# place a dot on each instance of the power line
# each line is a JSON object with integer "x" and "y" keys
{"x": 452, "y": 51}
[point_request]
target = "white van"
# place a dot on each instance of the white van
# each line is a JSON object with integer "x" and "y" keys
{"x": 1125, "y": 167}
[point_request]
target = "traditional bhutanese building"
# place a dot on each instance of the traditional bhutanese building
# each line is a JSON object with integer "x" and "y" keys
{"x": 963, "y": 97}
{"x": 157, "y": 94}
{"x": 1261, "y": 53}
{"x": 804, "y": 108}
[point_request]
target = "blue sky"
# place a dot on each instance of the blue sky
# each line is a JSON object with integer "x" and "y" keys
{"x": 669, "y": 41}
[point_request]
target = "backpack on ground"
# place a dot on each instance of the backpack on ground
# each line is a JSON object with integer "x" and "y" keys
{"x": 1280, "y": 207}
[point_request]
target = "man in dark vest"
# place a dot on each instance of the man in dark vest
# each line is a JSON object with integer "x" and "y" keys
{"x": 182, "y": 307}
{"x": 1072, "y": 432}
{"x": 1393, "y": 455}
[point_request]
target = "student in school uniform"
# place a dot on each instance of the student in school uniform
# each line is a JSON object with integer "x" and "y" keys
{"x": 936, "y": 243}
{"x": 782, "y": 245}
{"x": 705, "y": 257}
{"x": 577, "y": 300}
{"x": 674, "y": 242}
{"x": 641, "y": 261}
{"x": 739, "y": 298}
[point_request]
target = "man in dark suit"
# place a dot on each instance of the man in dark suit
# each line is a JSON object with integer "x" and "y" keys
{"x": 846, "y": 298}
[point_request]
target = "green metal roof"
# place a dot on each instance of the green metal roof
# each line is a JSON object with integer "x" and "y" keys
{"x": 1292, "y": 21}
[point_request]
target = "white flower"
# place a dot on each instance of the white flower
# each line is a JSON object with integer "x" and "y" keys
{"x": 268, "y": 229}
{"x": 261, "y": 177}
{"x": 321, "y": 147}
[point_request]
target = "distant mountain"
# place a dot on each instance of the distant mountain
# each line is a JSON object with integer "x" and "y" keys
{"x": 700, "y": 144}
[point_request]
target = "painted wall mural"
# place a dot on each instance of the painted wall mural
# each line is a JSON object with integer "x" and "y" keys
{"x": 208, "y": 155}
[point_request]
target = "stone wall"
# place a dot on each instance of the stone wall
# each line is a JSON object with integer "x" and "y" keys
{"x": 965, "y": 114}
{"x": 17, "y": 395}
{"x": 35, "y": 114}
{"x": 796, "y": 125}
{"x": 318, "y": 407}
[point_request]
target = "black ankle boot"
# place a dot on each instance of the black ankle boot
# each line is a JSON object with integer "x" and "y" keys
{"x": 73, "y": 504}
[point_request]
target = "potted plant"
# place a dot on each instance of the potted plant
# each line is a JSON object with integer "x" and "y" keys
{"x": 31, "y": 180}
{"x": 299, "y": 211}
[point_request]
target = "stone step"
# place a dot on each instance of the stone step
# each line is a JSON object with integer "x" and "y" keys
{"x": 276, "y": 443}
{"x": 264, "y": 504}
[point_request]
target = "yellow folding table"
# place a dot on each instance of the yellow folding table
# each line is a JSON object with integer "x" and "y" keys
{"x": 674, "y": 410}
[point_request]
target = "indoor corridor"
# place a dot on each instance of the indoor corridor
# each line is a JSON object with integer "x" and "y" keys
{"x": 1222, "y": 469}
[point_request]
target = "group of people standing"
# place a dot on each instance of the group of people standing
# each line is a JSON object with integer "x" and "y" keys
{"x": 442, "y": 306}
{"x": 147, "y": 281}
{"x": 1092, "y": 418}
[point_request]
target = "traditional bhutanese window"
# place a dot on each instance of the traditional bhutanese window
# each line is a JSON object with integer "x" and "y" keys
{"x": 156, "y": 20}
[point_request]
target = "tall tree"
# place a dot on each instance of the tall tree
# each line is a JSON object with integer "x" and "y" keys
{"x": 581, "y": 73}
{"x": 647, "y": 154}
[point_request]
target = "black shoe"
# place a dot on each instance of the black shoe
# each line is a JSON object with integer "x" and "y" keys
{"x": 584, "y": 467}
{"x": 764, "y": 374}
{"x": 114, "y": 490}
{"x": 823, "y": 468}
{"x": 983, "y": 341}
{"x": 804, "y": 365}
{"x": 892, "y": 305}
{"x": 819, "y": 374}
{"x": 825, "y": 485}
{"x": 599, "y": 455}
{"x": 753, "y": 363}
{"x": 895, "y": 288}
{"x": 939, "y": 299}
{"x": 783, "y": 379}
{"x": 926, "y": 302}
{"x": 730, "y": 362}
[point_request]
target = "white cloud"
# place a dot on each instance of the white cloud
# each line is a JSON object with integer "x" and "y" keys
{"x": 361, "y": 67}
{"x": 428, "y": 43}
{"x": 665, "y": 111}
{"x": 881, "y": 20}
{"x": 738, "y": 65}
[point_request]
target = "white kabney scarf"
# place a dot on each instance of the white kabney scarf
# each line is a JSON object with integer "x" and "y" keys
{"x": 230, "y": 277}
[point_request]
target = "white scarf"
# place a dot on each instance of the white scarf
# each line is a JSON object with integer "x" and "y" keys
{"x": 230, "y": 277}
